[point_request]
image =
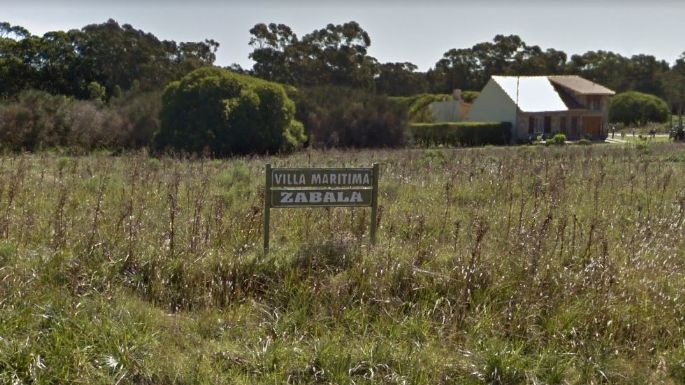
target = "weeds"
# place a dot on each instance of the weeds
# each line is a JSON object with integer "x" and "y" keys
{"x": 555, "y": 265}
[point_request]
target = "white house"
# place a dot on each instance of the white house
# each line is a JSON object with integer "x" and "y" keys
{"x": 546, "y": 105}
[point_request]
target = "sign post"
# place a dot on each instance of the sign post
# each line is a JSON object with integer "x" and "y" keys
{"x": 320, "y": 187}
{"x": 267, "y": 208}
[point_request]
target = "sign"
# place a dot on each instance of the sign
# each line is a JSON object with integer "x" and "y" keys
{"x": 320, "y": 187}
{"x": 321, "y": 197}
{"x": 321, "y": 177}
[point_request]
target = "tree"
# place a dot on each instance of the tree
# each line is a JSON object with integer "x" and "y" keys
{"x": 274, "y": 52}
{"x": 337, "y": 116}
{"x": 637, "y": 108}
{"x": 19, "y": 59}
{"x": 400, "y": 79}
{"x": 118, "y": 57}
{"x": 336, "y": 54}
{"x": 227, "y": 113}
{"x": 470, "y": 68}
{"x": 603, "y": 67}
{"x": 458, "y": 68}
{"x": 644, "y": 74}
{"x": 673, "y": 83}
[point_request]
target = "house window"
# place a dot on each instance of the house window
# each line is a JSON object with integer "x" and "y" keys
{"x": 562, "y": 124}
{"x": 548, "y": 124}
{"x": 594, "y": 103}
{"x": 531, "y": 125}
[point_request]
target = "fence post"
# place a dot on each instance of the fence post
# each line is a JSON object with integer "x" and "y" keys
{"x": 267, "y": 207}
{"x": 374, "y": 203}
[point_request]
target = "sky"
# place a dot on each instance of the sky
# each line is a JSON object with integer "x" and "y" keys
{"x": 419, "y": 31}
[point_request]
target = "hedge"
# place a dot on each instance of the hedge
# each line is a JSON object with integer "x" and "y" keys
{"x": 461, "y": 133}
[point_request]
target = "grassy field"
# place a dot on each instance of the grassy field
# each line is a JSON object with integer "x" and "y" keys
{"x": 512, "y": 265}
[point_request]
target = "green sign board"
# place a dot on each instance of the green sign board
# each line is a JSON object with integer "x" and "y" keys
{"x": 320, "y": 187}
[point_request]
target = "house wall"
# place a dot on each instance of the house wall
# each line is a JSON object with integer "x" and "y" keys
{"x": 493, "y": 105}
{"x": 447, "y": 111}
{"x": 555, "y": 120}
{"x": 602, "y": 109}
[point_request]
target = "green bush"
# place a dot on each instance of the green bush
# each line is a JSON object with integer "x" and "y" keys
{"x": 558, "y": 139}
{"x": 585, "y": 142}
{"x": 227, "y": 113}
{"x": 637, "y": 108}
{"x": 343, "y": 117}
{"x": 462, "y": 133}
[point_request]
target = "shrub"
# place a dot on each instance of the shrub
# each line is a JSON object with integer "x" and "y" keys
{"x": 637, "y": 108}
{"x": 558, "y": 139}
{"x": 585, "y": 142}
{"x": 227, "y": 113}
{"x": 140, "y": 112}
{"x": 38, "y": 120}
{"x": 462, "y": 133}
{"x": 343, "y": 117}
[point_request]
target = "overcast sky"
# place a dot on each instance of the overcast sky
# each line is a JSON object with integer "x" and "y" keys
{"x": 415, "y": 31}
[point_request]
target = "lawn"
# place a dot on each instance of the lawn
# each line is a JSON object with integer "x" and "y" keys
{"x": 499, "y": 265}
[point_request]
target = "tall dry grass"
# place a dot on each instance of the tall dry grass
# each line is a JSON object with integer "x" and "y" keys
{"x": 494, "y": 266}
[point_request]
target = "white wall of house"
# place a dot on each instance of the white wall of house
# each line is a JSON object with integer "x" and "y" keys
{"x": 447, "y": 111}
{"x": 493, "y": 105}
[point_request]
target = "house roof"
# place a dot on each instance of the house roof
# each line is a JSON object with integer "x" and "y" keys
{"x": 531, "y": 93}
{"x": 548, "y": 93}
{"x": 580, "y": 85}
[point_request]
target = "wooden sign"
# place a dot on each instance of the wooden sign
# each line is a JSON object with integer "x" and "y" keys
{"x": 320, "y": 187}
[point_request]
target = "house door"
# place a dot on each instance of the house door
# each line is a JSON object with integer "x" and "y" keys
{"x": 592, "y": 125}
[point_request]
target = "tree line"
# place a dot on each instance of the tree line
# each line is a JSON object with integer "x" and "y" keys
{"x": 113, "y": 77}
{"x": 108, "y": 58}
{"x": 98, "y": 61}
{"x": 338, "y": 54}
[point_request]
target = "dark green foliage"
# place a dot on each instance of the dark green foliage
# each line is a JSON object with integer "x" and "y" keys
{"x": 345, "y": 117}
{"x": 400, "y": 79}
{"x": 227, "y": 113}
{"x": 461, "y": 134}
{"x": 641, "y": 73}
{"x": 336, "y": 54}
{"x": 97, "y": 61}
{"x": 470, "y": 68}
{"x": 637, "y": 108}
